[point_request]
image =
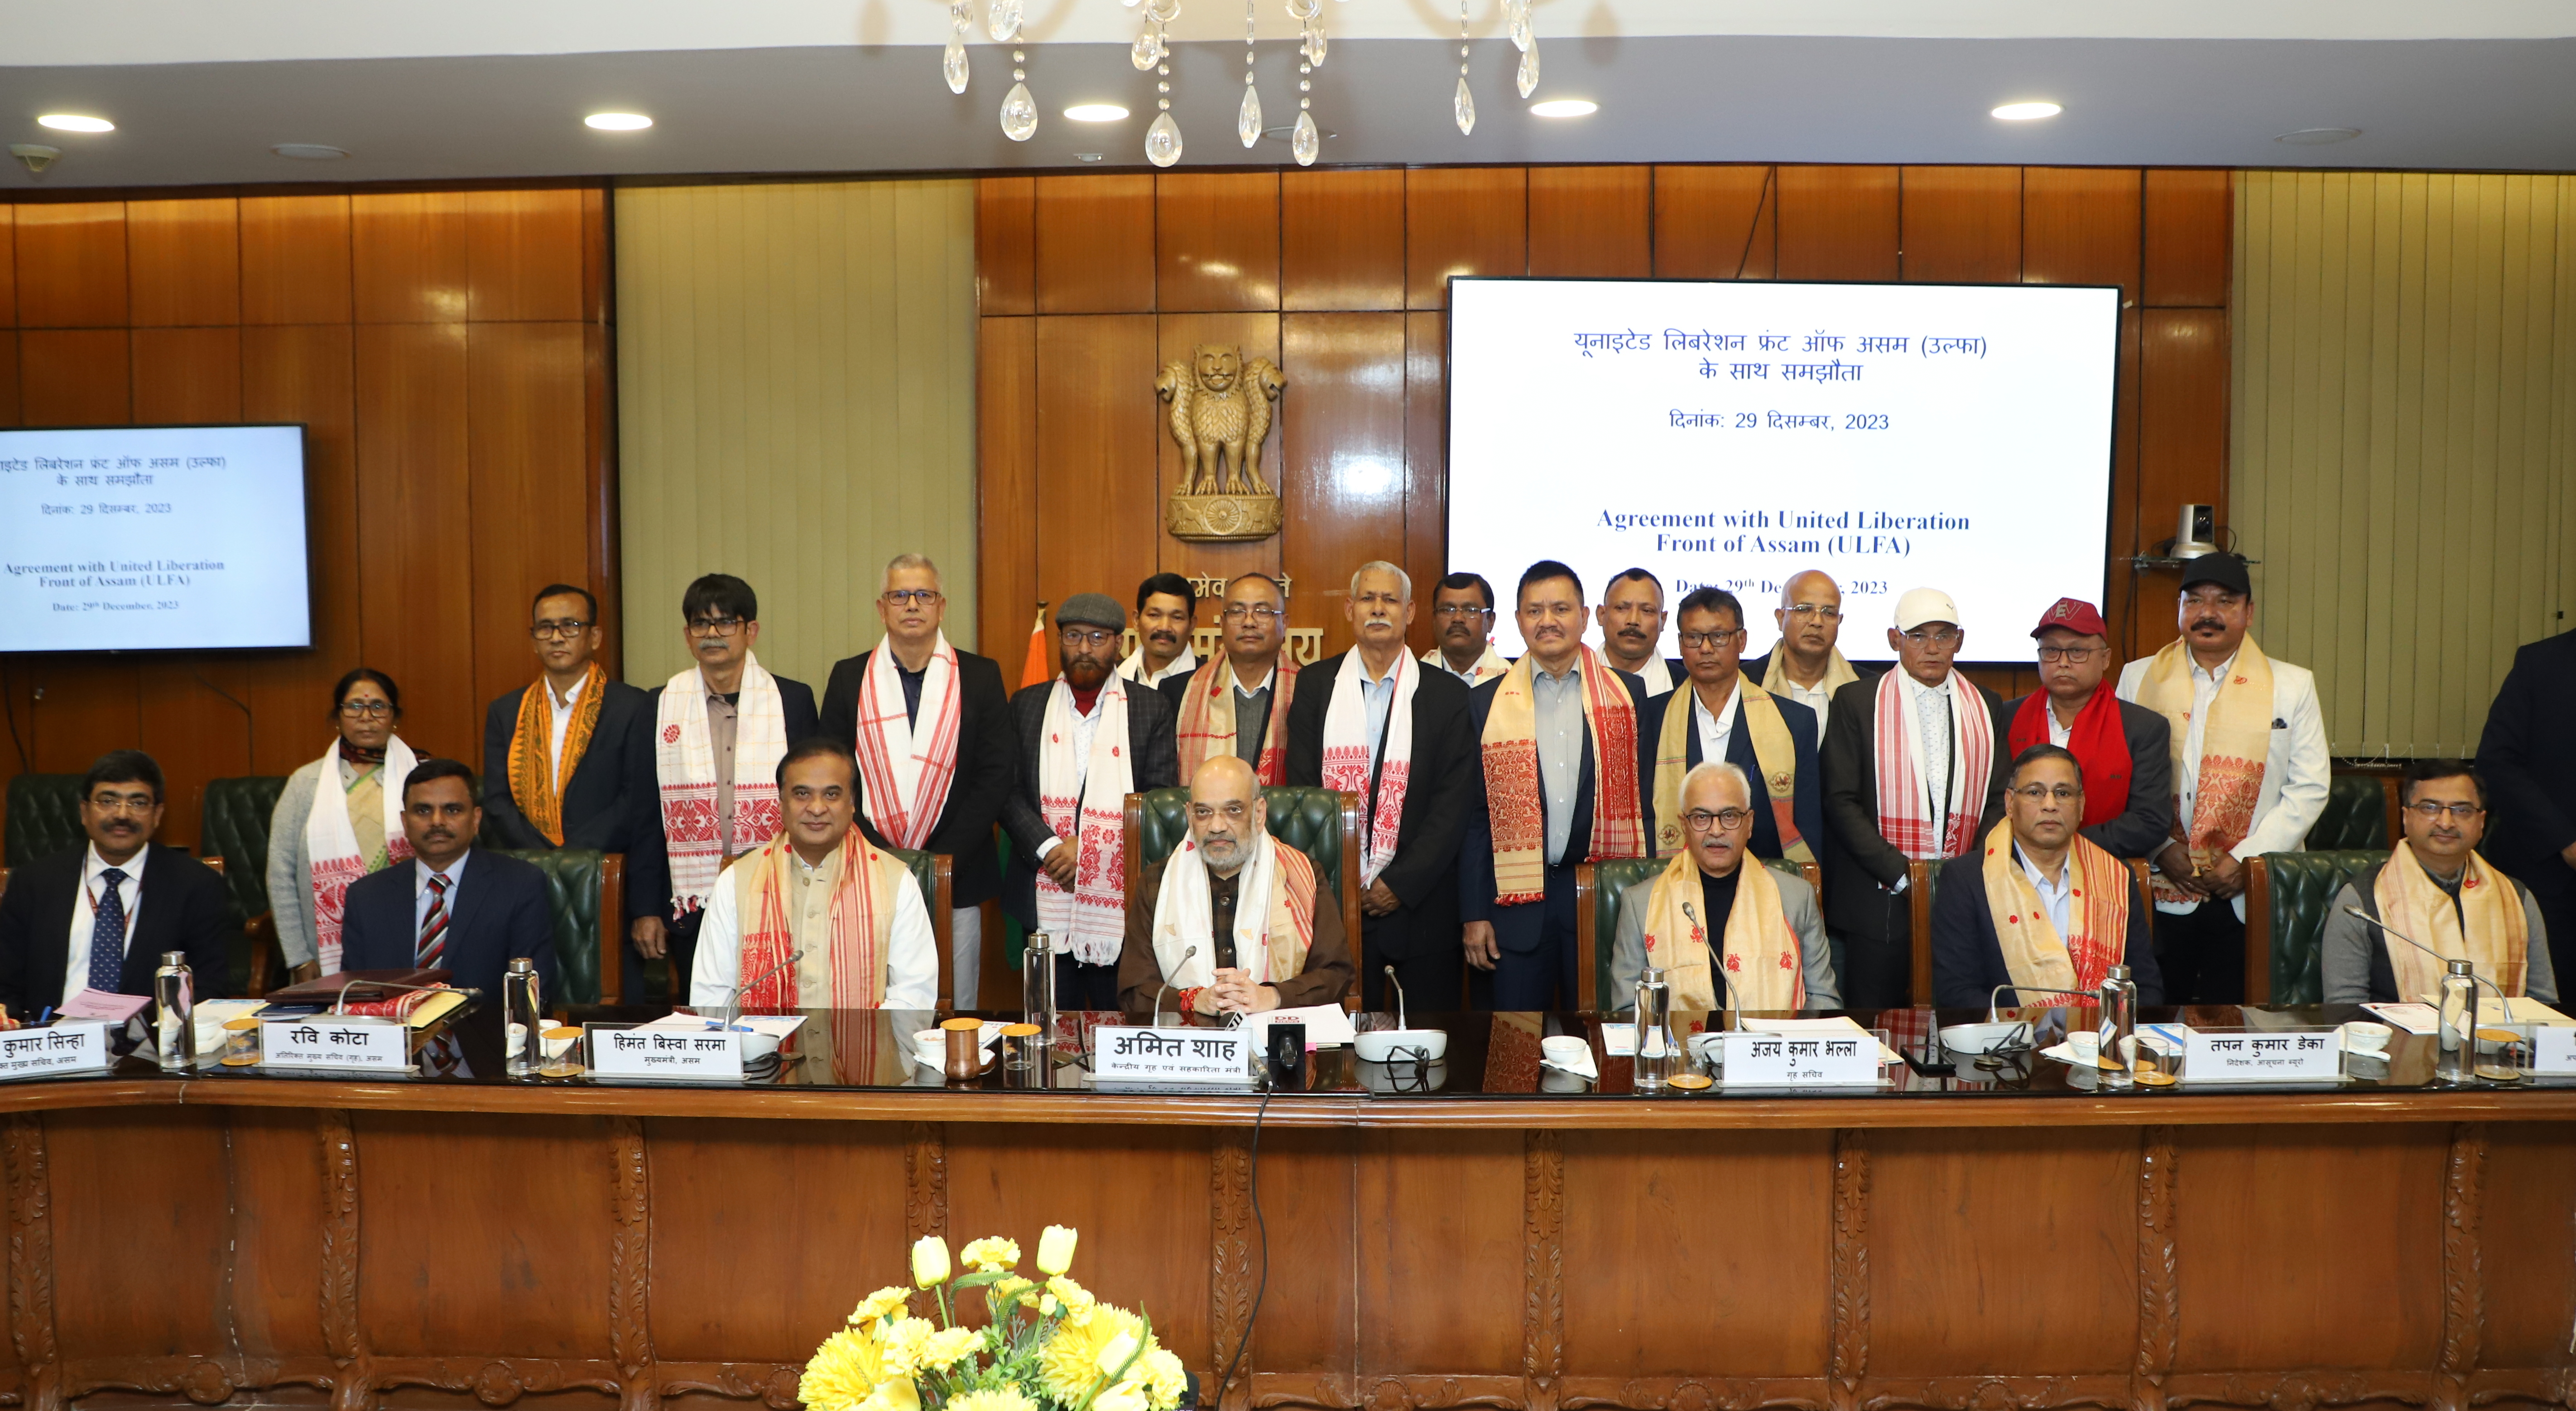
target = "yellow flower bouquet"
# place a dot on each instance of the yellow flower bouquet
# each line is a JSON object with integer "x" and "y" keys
{"x": 1048, "y": 1345}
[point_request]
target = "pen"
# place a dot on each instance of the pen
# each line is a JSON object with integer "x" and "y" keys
{"x": 43, "y": 1018}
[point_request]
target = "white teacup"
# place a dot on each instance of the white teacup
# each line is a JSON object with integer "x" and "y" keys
{"x": 2087, "y": 1045}
{"x": 1566, "y": 1051}
{"x": 2362, "y": 1036}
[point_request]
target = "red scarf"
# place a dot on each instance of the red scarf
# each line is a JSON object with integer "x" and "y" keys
{"x": 2098, "y": 742}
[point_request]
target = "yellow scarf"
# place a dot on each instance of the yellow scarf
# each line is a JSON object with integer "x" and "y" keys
{"x": 1838, "y": 673}
{"x": 2495, "y": 939}
{"x": 535, "y": 784}
{"x": 1773, "y": 751}
{"x": 2037, "y": 957}
{"x": 1760, "y": 952}
{"x": 855, "y": 946}
{"x": 2234, "y": 743}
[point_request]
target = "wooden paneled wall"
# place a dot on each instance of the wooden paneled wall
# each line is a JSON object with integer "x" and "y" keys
{"x": 1088, "y": 283}
{"x": 448, "y": 351}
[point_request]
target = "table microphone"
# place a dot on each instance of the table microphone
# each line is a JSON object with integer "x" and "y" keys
{"x": 2360, "y": 915}
{"x": 1165, "y": 987}
{"x": 733, "y": 1001}
{"x": 1399, "y": 995}
{"x": 1997, "y": 992}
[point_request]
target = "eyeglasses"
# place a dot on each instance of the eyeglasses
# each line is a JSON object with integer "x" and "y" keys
{"x": 556, "y": 631}
{"x": 1076, "y": 638}
{"x": 1262, "y": 613}
{"x": 1710, "y": 640}
{"x": 1816, "y": 612}
{"x": 1461, "y": 610}
{"x": 714, "y": 626}
{"x": 2432, "y": 812}
{"x": 123, "y": 803}
{"x": 1926, "y": 637}
{"x": 366, "y": 710}
{"x": 2041, "y": 793}
{"x": 1700, "y": 820}
{"x": 2072, "y": 656}
{"x": 909, "y": 597}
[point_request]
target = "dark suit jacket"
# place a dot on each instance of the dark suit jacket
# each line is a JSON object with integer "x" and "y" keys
{"x": 2529, "y": 759}
{"x": 2148, "y": 822}
{"x": 1152, "y": 756}
{"x": 1520, "y": 929}
{"x": 1968, "y": 960}
{"x": 496, "y": 914}
{"x": 1808, "y": 804}
{"x": 795, "y": 703}
{"x": 612, "y": 803}
{"x": 1424, "y": 872}
{"x": 179, "y": 905}
{"x": 1856, "y": 859}
{"x": 965, "y": 828}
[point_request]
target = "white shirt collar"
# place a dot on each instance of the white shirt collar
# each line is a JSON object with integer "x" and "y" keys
{"x": 422, "y": 871}
{"x": 1362, "y": 663}
{"x": 1725, "y": 715}
{"x": 2039, "y": 879}
{"x": 132, "y": 867}
{"x": 1913, "y": 688}
{"x": 2217, "y": 673}
{"x": 1261, "y": 685}
{"x": 569, "y": 697}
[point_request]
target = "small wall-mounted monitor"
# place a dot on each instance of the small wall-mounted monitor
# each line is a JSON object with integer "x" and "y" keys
{"x": 154, "y": 538}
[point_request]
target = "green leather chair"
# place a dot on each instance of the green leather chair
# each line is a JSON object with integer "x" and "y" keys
{"x": 1320, "y": 823}
{"x": 1597, "y": 886}
{"x": 586, "y": 896}
{"x": 43, "y": 817}
{"x": 2288, "y": 896}
{"x": 930, "y": 873}
{"x": 233, "y": 826}
{"x": 2357, "y": 813}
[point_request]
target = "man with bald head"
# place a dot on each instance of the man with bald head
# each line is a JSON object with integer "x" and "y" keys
{"x": 1727, "y": 931}
{"x": 1233, "y": 920}
{"x": 1238, "y": 704}
{"x": 1805, "y": 665}
{"x": 1377, "y": 723}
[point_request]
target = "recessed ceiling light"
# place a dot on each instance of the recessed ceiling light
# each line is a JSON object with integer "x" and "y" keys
{"x": 75, "y": 122}
{"x": 2318, "y": 136}
{"x": 1086, "y": 156}
{"x": 309, "y": 151}
{"x": 2024, "y": 112}
{"x": 618, "y": 122}
{"x": 1095, "y": 112}
{"x": 1565, "y": 108}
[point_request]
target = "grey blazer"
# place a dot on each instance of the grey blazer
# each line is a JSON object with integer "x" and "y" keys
{"x": 1797, "y": 906}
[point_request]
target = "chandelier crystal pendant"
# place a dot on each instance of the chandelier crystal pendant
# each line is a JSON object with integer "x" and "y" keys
{"x": 1247, "y": 119}
{"x": 1462, "y": 104}
{"x": 1163, "y": 139}
{"x": 952, "y": 64}
{"x": 1516, "y": 19}
{"x": 1304, "y": 142}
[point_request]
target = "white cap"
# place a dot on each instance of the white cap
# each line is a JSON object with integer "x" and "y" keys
{"x": 1922, "y": 605}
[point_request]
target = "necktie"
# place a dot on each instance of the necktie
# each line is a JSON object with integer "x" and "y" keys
{"x": 433, "y": 924}
{"x": 107, "y": 935}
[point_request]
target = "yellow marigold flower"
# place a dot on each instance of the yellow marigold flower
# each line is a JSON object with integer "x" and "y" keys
{"x": 844, "y": 1371}
{"x": 992, "y": 1254}
{"x": 1002, "y": 1291}
{"x": 949, "y": 1346}
{"x": 1069, "y": 1293}
{"x": 1000, "y": 1399}
{"x": 1069, "y": 1364}
{"x": 902, "y": 1341}
{"x": 896, "y": 1394}
{"x": 1163, "y": 1376}
{"x": 883, "y": 1302}
{"x": 1055, "y": 1249}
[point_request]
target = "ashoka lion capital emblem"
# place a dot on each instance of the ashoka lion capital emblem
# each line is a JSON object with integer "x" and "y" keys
{"x": 1220, "y": 417}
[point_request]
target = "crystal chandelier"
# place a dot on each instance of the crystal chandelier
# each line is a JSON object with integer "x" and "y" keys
{"x": 1153, "y": 51}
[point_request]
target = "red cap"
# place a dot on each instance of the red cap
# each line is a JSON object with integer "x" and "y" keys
{"x": 2075, "y": 615}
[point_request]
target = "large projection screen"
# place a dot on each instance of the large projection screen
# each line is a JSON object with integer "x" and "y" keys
{"x": 1733, "y": 434}
{"x": 153, "y": 538}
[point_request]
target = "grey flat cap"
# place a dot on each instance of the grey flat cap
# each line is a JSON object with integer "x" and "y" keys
{"x": 1092, "y": 610}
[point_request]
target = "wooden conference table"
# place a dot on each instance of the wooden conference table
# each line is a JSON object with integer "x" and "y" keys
{"x": 1987, "y": 1240}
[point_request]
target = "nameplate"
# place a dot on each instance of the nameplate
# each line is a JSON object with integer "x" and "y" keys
{"x": 687, "y": 1055}
{"x": 1756, "y": 1060}
{"x": 374, "y": 1045}
{"x": 1209, "y": 1056}
{"x": 43, "y": 1053}
{"x": 2553, "y": 1049}
{"x": 2261, "y": 1056}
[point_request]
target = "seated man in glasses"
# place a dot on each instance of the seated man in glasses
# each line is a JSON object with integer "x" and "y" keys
{"x": 2124, "y": 747}
{"x": 1238, "y": 704}
{"x": 2436, "y": 890}
{"x": 1767, "y": 949}
{"x": 1232, "y": 921}
{"x": 2037, "y": 906}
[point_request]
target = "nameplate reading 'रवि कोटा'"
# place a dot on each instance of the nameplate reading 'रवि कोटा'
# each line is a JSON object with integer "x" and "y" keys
{"x": 2259, "y": 1056}
{"x": 369, "y": 1045}
{"x": 1799, "y": 1060}
{"x": 1206, "y": 1056}
{"x": 682, "y": 1054}
{"x": 51, "y": 1053}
